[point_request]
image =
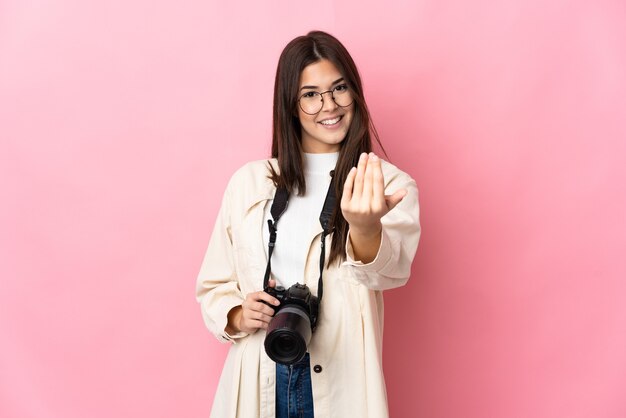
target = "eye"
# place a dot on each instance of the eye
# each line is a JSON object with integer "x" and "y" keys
{"x": 309, "y": 95}
{"x": 341, "y": 88}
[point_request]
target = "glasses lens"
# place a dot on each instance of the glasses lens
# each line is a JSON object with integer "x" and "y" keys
{"x": 342, "y": 95}
{"x": 311, "y": 102}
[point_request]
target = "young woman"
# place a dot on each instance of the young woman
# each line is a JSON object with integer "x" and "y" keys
{"x": 321, "y": 125}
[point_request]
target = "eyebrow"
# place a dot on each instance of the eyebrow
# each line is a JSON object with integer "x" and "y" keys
{"x": 339, "y": 80}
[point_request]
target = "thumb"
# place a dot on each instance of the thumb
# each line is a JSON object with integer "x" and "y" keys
{"x": 395, "y": 198}
{"x": 272, "y": 283}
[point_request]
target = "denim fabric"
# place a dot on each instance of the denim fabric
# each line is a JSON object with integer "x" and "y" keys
{"x": 294, "y": 395}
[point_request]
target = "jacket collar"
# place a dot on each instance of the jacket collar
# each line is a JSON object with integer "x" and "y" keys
{"x": 266, "y": 189}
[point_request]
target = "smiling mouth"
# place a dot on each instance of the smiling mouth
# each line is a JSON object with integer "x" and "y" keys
{"x": 330, "y": 122}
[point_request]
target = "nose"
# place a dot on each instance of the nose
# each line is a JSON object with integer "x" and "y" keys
{"x": 328, "y": 102}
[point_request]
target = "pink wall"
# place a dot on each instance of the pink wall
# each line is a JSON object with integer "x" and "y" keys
{"x": 121, "y": 121}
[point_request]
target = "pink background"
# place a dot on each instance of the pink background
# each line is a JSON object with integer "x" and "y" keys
{"x": 121, "y": 121}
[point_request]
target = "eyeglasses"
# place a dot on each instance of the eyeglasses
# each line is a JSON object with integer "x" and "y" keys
{"x": 312, "y": 102}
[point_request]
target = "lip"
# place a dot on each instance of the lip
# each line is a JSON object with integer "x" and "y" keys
{"x": 330, "y": 118}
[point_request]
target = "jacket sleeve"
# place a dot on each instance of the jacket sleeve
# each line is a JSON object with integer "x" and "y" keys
{"x": 400, "y": 235}
{"x": 217, "y": 286}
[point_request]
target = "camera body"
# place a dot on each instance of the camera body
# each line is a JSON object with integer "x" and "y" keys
{"x": 294, "y": 321}
{"x": 296, "y": 295}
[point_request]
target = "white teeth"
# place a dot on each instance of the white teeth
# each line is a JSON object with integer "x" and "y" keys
{"x": 330, "y": 121}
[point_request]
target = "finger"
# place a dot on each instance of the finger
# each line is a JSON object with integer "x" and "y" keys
{"x": 378, "y": 181}
{"x": 272, "y": 283}
{"x": 368, "y": 176}
{"x": 253, "y": 297}
{"x": 268, "y": 298}
{"x": 357, "y": 190}
{"x": 395, "y": 198}
{"x": 259, "y": 316}
{"x": 253, "y": 325}
{"x": 254, "y": 302}
{"x": 347, "y": 187}
{"x": 261, "y": 308}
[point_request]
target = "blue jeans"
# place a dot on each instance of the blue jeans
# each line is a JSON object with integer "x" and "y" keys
{"x": 294, "y": 395}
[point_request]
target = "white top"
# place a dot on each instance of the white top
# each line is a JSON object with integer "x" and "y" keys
{"x": 296, "y": 227}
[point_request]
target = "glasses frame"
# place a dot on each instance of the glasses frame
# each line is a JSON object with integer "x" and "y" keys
{"x": 322, "y": 97}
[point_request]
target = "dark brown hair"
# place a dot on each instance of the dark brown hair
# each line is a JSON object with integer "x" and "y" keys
{"x": 286, "y": 130}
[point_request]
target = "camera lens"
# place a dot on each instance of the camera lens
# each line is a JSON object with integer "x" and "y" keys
{"x": 287, "y": 347}
{"x": 286, "y": 344}
{"x": 288, "y": 335}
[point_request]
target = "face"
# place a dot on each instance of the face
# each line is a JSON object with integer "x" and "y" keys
{"x": 324, "y": 131}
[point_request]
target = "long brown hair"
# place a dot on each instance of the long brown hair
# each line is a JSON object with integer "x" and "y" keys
{"x": 286, "y": 131}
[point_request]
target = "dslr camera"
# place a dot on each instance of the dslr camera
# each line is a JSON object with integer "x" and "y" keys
{"x": 290, "y": 330}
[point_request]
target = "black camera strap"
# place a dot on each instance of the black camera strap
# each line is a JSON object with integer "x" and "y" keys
{"x": 325, "y": 218}
{"x": 279, "y": 206}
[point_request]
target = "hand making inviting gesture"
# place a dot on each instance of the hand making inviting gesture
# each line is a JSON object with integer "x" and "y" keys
{"x": 363, "y": 204}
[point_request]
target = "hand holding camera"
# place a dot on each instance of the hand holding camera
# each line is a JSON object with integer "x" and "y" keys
{"x": 255, "y": 312}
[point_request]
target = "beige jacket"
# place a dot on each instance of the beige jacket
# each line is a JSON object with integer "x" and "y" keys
{"x": 347, "y": 344}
